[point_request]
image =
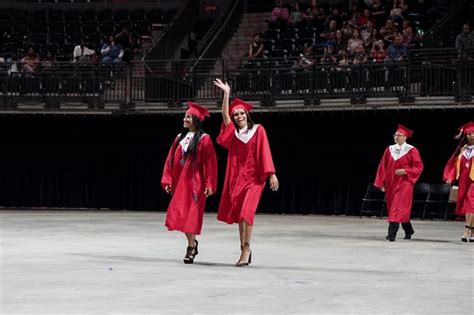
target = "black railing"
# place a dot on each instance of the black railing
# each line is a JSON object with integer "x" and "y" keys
{"x": 443, "y": 33}
{"x": 266, "y": 80}
{"x": 173, "y": 35}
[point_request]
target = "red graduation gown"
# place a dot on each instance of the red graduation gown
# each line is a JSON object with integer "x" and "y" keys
{"x": 184, "y": 213}
{"x": 248, "y": 166}
{"x": 465, "y": 201}
{"x": 399, "y": 189}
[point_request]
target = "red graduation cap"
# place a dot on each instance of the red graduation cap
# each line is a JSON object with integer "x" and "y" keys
{"x": 238, "y": 103}
{"x": 199, "y": 111}
{"x": 467, "y": 128}
{"x": 404, "y": 130}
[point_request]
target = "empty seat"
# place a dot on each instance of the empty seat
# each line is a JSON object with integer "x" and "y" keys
{"x": 56, "y": 27}
{"x": 373, "y": 202}
{"x": 105, "y": 15}
{"x": 72, "y": 15}
{"x": 437, "y": 201}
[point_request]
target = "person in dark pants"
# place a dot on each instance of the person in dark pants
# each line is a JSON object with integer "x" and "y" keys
{"x": 397, "y": 173}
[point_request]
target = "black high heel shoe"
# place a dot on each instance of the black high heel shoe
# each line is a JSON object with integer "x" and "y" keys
{"x": 191, "y": 253}
{"x": 241, "y": 264}
{"x": 464, "y": 238}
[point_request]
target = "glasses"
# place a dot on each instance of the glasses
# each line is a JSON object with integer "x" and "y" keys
{"x": 398, "y": 135}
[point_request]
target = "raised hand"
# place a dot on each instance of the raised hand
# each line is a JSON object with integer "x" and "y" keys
{"x": 221, "y": 85}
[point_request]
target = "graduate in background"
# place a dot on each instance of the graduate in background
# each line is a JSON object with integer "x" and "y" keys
{"x": 190, "y": 176}
{"x": 397, "y": 173}
{"x": 460, "y": 168}
{"x": 249, "y": 164}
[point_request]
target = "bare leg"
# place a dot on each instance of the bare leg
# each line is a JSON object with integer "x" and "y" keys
{"x": 470, "y": 222}
{"x": 241, "y": 233}
{"x": 246, "y": 235}
{"x": 191, "y": 250}
{"x": 191, "y": 238}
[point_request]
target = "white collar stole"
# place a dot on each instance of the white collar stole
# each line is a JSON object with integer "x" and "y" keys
{"x": 399, "y": 151}
{"x": 245, "y": 135}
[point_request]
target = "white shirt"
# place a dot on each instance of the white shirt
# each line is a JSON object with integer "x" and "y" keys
{"x": 84, "y": 51}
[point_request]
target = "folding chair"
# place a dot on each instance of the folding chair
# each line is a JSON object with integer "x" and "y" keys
{"x": 420, "y": 194}
{"x": 437, "y": 201}
{"x": 373, "y": 196}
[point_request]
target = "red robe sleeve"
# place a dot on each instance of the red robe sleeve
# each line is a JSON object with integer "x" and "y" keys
{"x": 414, "y": 171}
{"x": 450, "y": 168}
{"x": 382, "y": 170}
{"x": 226, "y": 135}
{"x": 264, "y": 155}
{"x": 210, "y": 163}
{"x": 167, "y": 178}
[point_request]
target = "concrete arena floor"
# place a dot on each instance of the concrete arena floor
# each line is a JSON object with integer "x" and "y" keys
{"x": 114, "y": 262}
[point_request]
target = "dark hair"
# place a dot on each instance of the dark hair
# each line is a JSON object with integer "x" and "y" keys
{"x": 461, "y": 143}
{"x": 192, "y": 148}
{"x": 250, "y": 122}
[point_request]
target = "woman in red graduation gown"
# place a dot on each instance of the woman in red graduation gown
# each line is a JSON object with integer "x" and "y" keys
{"x": 249, "y": 164}
{"x": 460, "y": 168}
{"x": 190, "y": 176}
{"x": 397, "y": 173}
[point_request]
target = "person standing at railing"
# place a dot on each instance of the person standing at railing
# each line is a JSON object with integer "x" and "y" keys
{"x": 397, "y": 174}
{"x": 249, "y": 164}
{"x": 465, "y": 42}
{"x": 460, "y": 168}
{"x": 190, "y": 176}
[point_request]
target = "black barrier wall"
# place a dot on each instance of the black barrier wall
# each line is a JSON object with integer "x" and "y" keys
{"x": 324, "y": 160}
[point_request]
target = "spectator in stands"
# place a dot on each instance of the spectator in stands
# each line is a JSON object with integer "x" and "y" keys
{"x": 378, "y": 52}
{"x": 336, "y": 16}
{"x": 306, "y": 59}
{"x": 344, "y": 60}
{"x": 355, "y": 15}
{"x": 360, "y": 57}
{"x": 280, "y": 14}
{"x": 296, "y": 16}
{"x": 328, "y": 57}
{"x": 340, "y": 42}
{"x": 398, "y": 171}
{"x": 12, "y": 65}
{"x": 410, "y": 39}
{"x": 48, "y": 61}
{"x": 256, "y": 48}
{"x": 347, "y": 30}
{"x": 355, "y": 44}
{"x": 366, "y": 33}
{"x": 82, "y": 53}
{"x": 313, "y": 10}
{"x": 397, "y": 52}
{"x": 388, "y": 31}
{"x": 465, "y": 42}
{"x": 364, "y": 19}
{"x": 397, "y": 18}
{"x": 111, "y": 51}
{"x": 330, "y": 32}
{"x": 30, "y": 61}
{"x": 379, "y": 13}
